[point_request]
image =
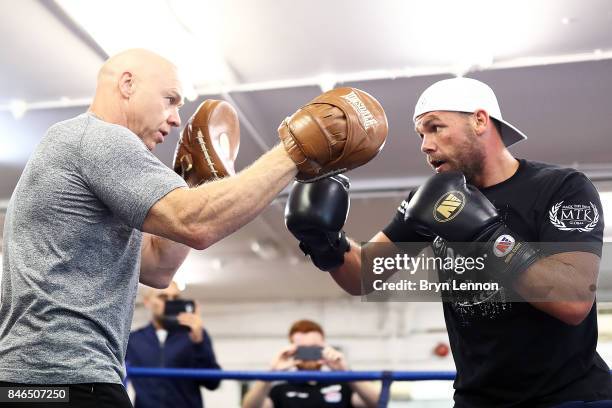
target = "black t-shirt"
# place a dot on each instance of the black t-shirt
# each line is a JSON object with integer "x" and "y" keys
{"x": 311, "y": 395}
{"x": 510, "y": 354}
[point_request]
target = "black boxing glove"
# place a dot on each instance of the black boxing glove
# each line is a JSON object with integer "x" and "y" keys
{"x": 315, "y": 214}
{"x": 457, "y": 212}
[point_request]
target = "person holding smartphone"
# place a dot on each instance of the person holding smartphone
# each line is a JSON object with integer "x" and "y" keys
{"x": 309, "y": 351}
{"x": 176, "y": 337}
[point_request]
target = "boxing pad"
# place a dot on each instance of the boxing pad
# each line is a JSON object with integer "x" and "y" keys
{"x": 209, "y": 143}
{"x": 337, "y": 131}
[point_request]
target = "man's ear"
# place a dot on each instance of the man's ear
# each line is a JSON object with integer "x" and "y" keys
{"x": 480, "y": 121}
{"x": 126, "y": 84}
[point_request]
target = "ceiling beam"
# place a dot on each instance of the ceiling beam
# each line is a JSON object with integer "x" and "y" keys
{"x": 358, "y": 76}
{"x": 74, "y": 27}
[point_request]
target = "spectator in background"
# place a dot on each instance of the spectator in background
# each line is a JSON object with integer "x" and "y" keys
{"x": 162, "y": 345}
{"x": 306, "y": 333}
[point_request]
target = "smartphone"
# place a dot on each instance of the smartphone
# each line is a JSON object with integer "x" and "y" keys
{"x": 174, "y": 307}
{"x": 309, "y": 353}
{"x": 171, "y": 310}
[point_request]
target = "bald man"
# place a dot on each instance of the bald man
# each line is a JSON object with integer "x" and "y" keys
{"x": 94, "y": 213}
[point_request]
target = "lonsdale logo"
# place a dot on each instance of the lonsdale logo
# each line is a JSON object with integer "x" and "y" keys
{"x": 448, "y": 206}
{"x": 365, "y": 116}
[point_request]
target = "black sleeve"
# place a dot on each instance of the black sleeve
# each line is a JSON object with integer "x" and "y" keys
{"x": 347, "y": 395}
{"x": 574, "y": 218}
{"x": 204, "y": 357}
{"x": 398, "y": 230}
{"x": 275, "y": 395}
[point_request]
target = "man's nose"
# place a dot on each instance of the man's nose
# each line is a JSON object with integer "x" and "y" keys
{"x": 427, "y": 145}
{"x": 174, "y": 119}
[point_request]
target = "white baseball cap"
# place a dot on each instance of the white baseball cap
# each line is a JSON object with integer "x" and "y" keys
{"x": 466, "y": 95}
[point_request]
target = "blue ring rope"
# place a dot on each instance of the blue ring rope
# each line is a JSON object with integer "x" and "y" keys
{"x": 291, "y": 376}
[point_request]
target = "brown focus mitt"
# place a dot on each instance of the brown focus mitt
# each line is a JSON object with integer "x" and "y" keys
{"x": 209, "y": 144}
{"x": 337, "y": 131}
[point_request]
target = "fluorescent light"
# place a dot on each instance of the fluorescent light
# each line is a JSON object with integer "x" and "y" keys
{"x": 183, "y": 32}
{"x": 326, "y": 82}
{"x": 199, "y": 269}
{"x": 181, "y": 282}
{"x": 265, "y": 249}
{"x": 18, "y": 108}
{"x": 448, "y": 36}
{"x": 15, "y": 145}
{"x": 187, "y": 273}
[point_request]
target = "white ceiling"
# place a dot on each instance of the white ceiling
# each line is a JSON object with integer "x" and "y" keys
{"x": 549, "y": 61}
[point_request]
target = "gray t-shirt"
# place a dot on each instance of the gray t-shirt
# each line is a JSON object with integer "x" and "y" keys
{"x": 71, "y": 254}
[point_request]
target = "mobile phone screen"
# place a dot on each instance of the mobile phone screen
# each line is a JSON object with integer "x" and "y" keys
{"x": 171, "y": 309}
{"x": 308, "y": 353}
{"x": 174, "y": 307}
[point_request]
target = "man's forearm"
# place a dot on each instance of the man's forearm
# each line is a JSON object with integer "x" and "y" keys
{"x": 367, "y": 392}
{"x": 256, "y": 395}
{"x": 348, "y": 275}
{"x": 170, "y": 254}
{"x": 160, "y": 260}
{"x": 224, "y": 206}
{"x": 356, "y": 275}
{"x": 561, "y": 286}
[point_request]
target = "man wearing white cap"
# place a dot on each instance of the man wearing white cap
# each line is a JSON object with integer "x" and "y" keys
{"x": 531, "y": 342}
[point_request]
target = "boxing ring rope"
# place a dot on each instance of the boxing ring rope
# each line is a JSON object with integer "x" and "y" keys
{"x": 386, "y": 377}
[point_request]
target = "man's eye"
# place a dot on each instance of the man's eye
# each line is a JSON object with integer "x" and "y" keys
{"x": 436, "y": 128}
{"x": 171, "y": 99}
